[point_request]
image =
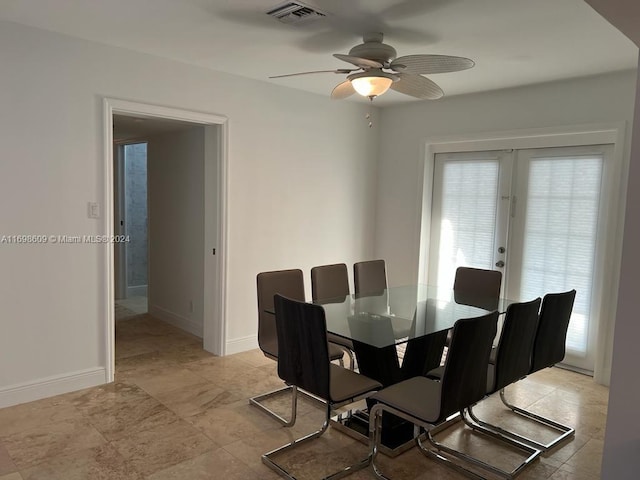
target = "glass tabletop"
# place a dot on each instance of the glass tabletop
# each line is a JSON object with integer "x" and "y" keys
{"x": 397, "y": 314}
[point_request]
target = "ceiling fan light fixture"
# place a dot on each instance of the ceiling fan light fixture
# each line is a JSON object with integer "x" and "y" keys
{"x": 371, "y": 84}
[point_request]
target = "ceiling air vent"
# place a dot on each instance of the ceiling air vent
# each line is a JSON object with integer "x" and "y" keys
{"x": 295, "y": 13}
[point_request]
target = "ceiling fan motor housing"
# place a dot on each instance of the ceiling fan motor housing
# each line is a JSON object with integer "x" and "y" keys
{"x": 374, "y": 49}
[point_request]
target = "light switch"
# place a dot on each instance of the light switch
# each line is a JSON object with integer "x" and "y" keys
{"x": 93, "y": 210}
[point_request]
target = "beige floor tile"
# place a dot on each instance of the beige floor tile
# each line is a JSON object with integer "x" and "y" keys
{"x": 11, "y": 476}
{"x": 563, "y": 474}
{"x": 35, "y": 445}
{"x": 255, "y": 358}
{"x": 165, "y": 379}
{"x": 100, "y": 463}
{"x": 588, "y": 459}
{"x": 226, "y": 425}
{"x": 197, "y": 399}
{"x": 6, "y": 464}
{"x": 118, "y": 410}
{"x": 215, "y": 464}
{"x": 219, "y": 370}
{"x": 35, "y": 414}
{"x": 162, "y": 447}
{"x": 131, "y": 348}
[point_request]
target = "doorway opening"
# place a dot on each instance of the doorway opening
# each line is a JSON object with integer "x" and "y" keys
{"x": 186, "y": 160}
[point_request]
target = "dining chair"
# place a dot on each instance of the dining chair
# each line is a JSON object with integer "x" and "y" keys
{"x": 427, "y": 402}
{"x": 369, "y": 277}
{"x": 290, "y": 283}
{"x": 330, "y": 284}
{"x": 510, "y": 361}
{"x": 548, "y": 350}
{"x": 477, "y": 287}
{"x": 304, "y": 363}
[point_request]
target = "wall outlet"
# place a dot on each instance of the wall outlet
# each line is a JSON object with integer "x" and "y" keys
{"x": 190, "y": 306}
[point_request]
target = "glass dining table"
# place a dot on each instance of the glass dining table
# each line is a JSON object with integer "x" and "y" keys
{"x": 399, "y": 333}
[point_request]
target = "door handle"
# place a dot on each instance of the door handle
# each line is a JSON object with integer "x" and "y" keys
{"x": 499, "y": 264}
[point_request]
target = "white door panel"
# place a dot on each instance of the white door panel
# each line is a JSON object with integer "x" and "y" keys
{"x": 533, "y": 214}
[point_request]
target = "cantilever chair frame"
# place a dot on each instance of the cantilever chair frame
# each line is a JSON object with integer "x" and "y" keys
{"x": 257, "y": 401}
{"x": 314, "y": 355}
{"x": 565, "y": 431}
{"x": 438, "y": 451}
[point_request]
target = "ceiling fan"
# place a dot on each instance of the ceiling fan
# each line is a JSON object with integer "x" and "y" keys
{"x": 378, "y": 70}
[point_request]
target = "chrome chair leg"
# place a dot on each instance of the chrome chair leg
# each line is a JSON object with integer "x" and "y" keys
{"x": 352, "y": 358}
{"x": 565, "y": 430}
{"x": 267, "y": 458}
{"x": 532, "y": 452}
{"x": 438, "y": 451}
{"x": 257, "y": 402}
{"x": 375, "y": 427}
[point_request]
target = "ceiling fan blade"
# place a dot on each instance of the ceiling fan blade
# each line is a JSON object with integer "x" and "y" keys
{"x": 357, "y": 61}
{"x": 339, "y": 70}
{"x": 417, "y": 86}
{"x": 343, "y": 90}
{"x": 429, "y": 64}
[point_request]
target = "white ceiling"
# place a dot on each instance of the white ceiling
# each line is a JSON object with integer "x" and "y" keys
{"x": 513, "y": 42}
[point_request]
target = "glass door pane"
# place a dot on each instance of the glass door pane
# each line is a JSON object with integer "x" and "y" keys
{"x": 467, "y": 221}
{"x": 555, "y": 233}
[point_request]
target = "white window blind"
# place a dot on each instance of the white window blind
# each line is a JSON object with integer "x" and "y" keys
{"x": 560, "y": 234}
{"x": 468, "y": 216}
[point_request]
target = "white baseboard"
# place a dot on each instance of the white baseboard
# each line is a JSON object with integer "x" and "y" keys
{"x": 50, "y": 386}
{"x": 176, "y": 320}
{"x": 243, "y": 344}
{"x": 137, "y": 291}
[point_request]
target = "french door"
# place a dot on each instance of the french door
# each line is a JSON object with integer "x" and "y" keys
{"x": 533, "y": 214}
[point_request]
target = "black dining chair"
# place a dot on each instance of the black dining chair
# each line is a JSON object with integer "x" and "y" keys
{"x": 429, "y": 402}
{"x": 369, "y": 277}
{"x": 285, "y": 282}
{"x": 510, "y": 362}
{"x": 548, "y": 350}
{"x": 330, "y": 284}
{"x": 477, "y": 287}
{"x": 303, "y": 362}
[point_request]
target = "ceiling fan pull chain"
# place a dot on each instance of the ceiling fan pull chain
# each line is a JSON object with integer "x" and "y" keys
{"x": 368, "y": 115}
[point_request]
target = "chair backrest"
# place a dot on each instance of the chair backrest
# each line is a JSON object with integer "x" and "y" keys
{"x": 464, "y": 381}
{"x": 515, "y": 347}
{"x": 286, "y": 282}
{"x": 369, "y": 277}
{"x": 551, "y": 337}
{"x": 329, "y": 282}
{"x": 303, "y": 359}
{"x": 477, "y": 287}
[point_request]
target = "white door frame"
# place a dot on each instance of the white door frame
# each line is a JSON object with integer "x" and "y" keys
{"x": 215, "y": 220}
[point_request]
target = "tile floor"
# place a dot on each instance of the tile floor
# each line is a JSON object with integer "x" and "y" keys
{"x": 177, "y": 412}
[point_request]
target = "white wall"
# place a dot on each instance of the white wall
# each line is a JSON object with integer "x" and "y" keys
{"x": 175, "y": 166}
{"x": 622, "y": 442}
{"x": 607, "y": 98}
{"x": 301, "y": 192}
